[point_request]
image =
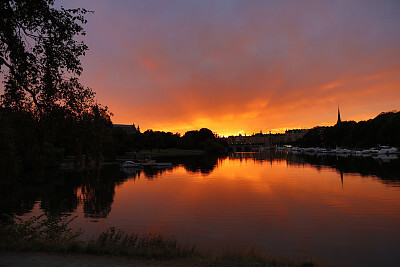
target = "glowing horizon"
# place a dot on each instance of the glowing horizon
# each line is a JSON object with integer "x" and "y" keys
{"x": 243, "y": 132}
{"x": 242, "y": 67}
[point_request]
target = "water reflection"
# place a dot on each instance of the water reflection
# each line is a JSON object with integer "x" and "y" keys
{"x": 386, "y": 170}
{"x": 54, "y": 189}
{"x": 291, "y": 204}
{"x": 147, "y": 172}
{"x": 203, "y": 164}
{"x": 59, "y": 191}
{"x": 62, "y": 191}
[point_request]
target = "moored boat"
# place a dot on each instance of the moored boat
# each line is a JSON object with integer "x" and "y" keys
{"x": 145, "y": 163}
{"x": 130, "y": 164}
{"x": 388, "y": 150}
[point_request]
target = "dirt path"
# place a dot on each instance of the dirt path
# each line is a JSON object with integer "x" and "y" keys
{"x": 19, "y": 259}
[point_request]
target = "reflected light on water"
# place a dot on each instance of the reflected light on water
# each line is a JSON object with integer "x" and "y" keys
{"x": 291, "y": 209}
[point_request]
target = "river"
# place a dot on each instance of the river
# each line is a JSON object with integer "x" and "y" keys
{"x": 342, "y": 211}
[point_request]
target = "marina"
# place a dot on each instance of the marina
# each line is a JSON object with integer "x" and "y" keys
{"x": 379, "y": 152}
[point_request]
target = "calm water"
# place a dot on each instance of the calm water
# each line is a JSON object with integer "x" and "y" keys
{"x": 344, "y": 211}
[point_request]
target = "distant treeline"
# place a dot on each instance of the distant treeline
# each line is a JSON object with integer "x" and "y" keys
{"x": 203, "y": 139}
{"x": 382, "y": 130}
{"x": 29, "y": 141}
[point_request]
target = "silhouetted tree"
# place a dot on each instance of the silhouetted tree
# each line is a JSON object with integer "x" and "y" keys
{"x": 383, "y": 129}
{"x": 39, "y": 57}
{"x": 203, "y": 139}
{"x": 44, "y": 107}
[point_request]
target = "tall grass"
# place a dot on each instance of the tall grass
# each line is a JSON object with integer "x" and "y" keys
{"x": 53, "y": 234}
{"x": 44, "y": 232}
{"x": 150, "y": 245}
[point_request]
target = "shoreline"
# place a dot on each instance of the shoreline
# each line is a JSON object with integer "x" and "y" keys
{"x": 42, "y": 257}
{"x": 50, "y": 240}
{"x": 172, "y": 152}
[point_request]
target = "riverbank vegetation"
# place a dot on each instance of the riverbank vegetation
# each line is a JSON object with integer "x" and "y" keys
{"x": 201, "y": 140}
{"x": 382, "y": 130}
{"x": 46, "y": 233}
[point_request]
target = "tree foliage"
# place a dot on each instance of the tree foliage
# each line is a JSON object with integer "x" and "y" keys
{"x": 39, "y": 57}
{"x": 45, "y": 112}
{"x": 382, "y": 130}
{"x": 203, "y": 139}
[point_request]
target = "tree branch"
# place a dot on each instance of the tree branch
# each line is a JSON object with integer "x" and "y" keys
{"x": 4, "y": 62}
{"x": 31, "y": 92}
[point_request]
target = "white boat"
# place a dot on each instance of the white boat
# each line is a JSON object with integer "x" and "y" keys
{"x": 374, "y": 150}
{"x": 342, "y": 151}
{"x": 366, "y": 152}
{"x": 143, "y": 163}
{"x": 130, "y": 164}
{"x": 388, "y": 150}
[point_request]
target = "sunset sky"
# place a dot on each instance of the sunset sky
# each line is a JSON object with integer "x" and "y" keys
{"x": 242, "y": 66}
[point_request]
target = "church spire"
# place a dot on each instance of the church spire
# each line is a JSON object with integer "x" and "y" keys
{"x": 338, "y": 115}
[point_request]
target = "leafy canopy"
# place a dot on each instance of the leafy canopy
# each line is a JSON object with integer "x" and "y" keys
{"x": 39, "y": 57}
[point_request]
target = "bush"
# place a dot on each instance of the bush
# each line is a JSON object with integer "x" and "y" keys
{"x": 150, "y": 245}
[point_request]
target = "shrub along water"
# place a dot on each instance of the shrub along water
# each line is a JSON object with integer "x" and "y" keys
{"x": 150, "y": 245}
{"x": 51, "y": 233}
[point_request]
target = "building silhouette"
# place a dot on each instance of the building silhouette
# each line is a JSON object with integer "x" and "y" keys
{"x": 129, "y": 129}
{"x": 338, "y": 116}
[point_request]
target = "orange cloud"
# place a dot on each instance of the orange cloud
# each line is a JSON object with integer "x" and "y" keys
{"x": 235, "y": 68}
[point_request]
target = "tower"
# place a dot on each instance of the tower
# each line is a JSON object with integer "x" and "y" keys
{"x": 338, "y": 116}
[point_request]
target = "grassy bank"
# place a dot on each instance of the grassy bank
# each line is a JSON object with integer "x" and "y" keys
{"x": 53, "y": 234}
